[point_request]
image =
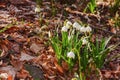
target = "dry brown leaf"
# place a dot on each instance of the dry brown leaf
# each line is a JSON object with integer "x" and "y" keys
{"x": 18, "y": 65}
{"x": 10, "y": 77}
{"x": 60, "y": 69}
{"x": 10, "y": 70}
{"x": 25, "y": 57}
{"x": 107, "y": 74}
{"x": 65, "y": 65}
{"x": 35, "y": 48}
{"x": 15, "y": 48}
{"x": 22, "y": 74}
{"x": 2, "y": 5}
{"x": 12, "y": 29}
{"x": 113, "y": 30}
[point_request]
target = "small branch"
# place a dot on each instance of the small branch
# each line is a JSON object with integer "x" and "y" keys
{"x": 106, "y": 31}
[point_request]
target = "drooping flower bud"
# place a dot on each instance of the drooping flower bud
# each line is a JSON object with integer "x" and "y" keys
{"x": 84, "y": 41}
{"x": 64, "y": 29}
{"x": 83, "y": 29}
{"x": 76, "y": 25}
{"x": 68, "y": 24}
{"x": 71, "y": 55}
{"x": 88, "y": 29}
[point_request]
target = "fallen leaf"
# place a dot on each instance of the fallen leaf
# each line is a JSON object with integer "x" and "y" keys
{"x": 113, "y": 30}
{"x": 35, "y": 48}
{"x": 2, "y": 5}
{"x": 107, "y": 74}
{"x": 22, "y": 74}
{"x": 25, "y": 57}
{"x": 18, "y": 65}
{"x": 10, "y": 70}
{"x": 10, "y": 78}
{"x": 35, "y": 72}
{"x": 60, "y": 69}
{"x": 65, "y": 66}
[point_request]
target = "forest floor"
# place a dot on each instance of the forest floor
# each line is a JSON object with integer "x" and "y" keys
{"x": 25, "y": 53}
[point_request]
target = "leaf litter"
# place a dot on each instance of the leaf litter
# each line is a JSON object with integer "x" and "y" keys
{"x": 25, "y": 53}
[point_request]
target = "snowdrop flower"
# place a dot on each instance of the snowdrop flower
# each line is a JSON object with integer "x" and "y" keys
{"x": 4, "y": 75}
{"x": 84, "y": 41}
{"x": 37, "y": 9}
{"x": 83, "y": 29}
{"x": 71, "y": 55}
{"x": 88, "y": 29}
{"x": 68, "y": 24}
{"x": 76, "y": 25}
{"x": 64, "y": 29}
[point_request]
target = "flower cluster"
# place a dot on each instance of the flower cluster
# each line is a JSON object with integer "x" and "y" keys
{"x": 68, "y": 45}
{"x": 85, "y": 29}
{"x": 77, "y": 26}
{"x": 73, "y": 46}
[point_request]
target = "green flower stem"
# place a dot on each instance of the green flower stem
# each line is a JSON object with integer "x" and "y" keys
{"x": 78, "y": 54}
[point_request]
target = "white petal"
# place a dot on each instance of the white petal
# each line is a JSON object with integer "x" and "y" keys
{"x": 64, "y": 29}
{"x": 76, "y": 25}
{"x": 88, "y": 29}
{"x": 71, "y": 55}
{"x": 83, "y": 29}
{"x": 84, "y": 41}
{"x": 68, "y": 24}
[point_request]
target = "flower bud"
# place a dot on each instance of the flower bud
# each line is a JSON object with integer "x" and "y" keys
{"x": 71, "y": 55}
{"x": 83, "y": 29}
{"x": 64, "y": 29}
{"x": 68, "y": 24}
{"x": 84, "y": 41}
{"x": 88, "y": 29}
{"x": 76, "y": 25}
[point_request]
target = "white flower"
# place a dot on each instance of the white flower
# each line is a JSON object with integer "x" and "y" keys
{"x": 71, "y": 55}
{"x": 37, "y": 9}
{"x": 84, "y": 41}
{"x": 4, "y": 75}
{"x": 88, "y": 29}
{"x": 64, "y": 29}
{"x": 76, "y": 25}
{"x": 83, "y": 29}
{"x": 68, "y": 24}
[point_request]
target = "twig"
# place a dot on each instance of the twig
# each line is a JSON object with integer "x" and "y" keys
{"x": 106, "y": 31}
